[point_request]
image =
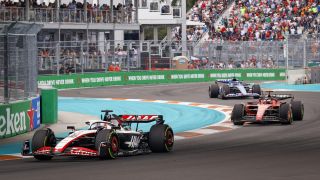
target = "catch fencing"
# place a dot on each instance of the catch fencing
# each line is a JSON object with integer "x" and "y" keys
{"x": 18, "y": 67}
{"x": 66, "y": 57}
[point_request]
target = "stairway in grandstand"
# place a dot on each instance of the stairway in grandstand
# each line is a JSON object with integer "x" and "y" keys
{"x": 199, "y": 43}
{"x": 226, "y": 14}
{"x": 202, "y": 41}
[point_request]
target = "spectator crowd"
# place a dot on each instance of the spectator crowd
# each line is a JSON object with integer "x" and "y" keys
{"x": 205, "y": 13}
{"x": 72, "y": 11}
{"x": 266, "y": 20}
{"x": 252, "y": 62}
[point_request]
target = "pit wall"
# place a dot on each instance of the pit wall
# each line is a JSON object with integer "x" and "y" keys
{"x": 157, "y": 77}
{"x": 19, "y": 117}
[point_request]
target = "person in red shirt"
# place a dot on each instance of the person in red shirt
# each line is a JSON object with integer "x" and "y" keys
{"x": 111, "y": 67}
{"x": 295, "y": 10}
{"x": 203, "y": 5}
{"x": 117, "y": 68}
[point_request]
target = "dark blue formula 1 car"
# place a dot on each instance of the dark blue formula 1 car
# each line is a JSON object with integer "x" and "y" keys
{"x": 233, "y": 88}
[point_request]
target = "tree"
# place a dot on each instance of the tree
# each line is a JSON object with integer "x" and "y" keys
{"x": 190, "y": 3}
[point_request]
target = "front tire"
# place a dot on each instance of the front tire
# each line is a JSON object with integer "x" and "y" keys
{"x": 214, "y": 91}
{"x": 297, "y": 110}
{"x": 285, "y": 114}
{"x": 256, "y": 89}
{"x": 237, "y": 114}
{"x": 43, "y": 138}
{"x": 161, "y": 138}
{"x": 110, "y": 137}
{"x": 225, "y": 91}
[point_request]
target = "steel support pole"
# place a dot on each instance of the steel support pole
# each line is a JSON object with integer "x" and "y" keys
{"x": 27, "y": 8}
{"x": 184, "y": 27}
{"x": 6, "y": 70}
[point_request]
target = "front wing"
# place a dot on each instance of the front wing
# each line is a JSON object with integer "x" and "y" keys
{"x": 71, "y": 151}
{"x": 264, "y": 119}
{"x": 238, "y": 95}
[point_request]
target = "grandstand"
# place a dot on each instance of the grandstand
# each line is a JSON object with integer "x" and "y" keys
{"x": 90, "y": 35}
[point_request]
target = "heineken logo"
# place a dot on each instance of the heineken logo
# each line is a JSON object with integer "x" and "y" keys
{"x": 30, "y": 113}
{"x": 19, "y": 117}
{"x": 12, "y": 122}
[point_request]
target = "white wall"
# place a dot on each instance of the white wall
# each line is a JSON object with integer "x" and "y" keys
{"x": 294, "y": 75}
{"x": 118, "y": 35}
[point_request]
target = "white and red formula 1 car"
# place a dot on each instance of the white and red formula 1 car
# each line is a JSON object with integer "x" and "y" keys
{"x": 107, "y": 138}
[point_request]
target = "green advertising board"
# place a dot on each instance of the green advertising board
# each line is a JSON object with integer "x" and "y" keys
{"x": 157, "y": 77}
{"x": 14, "y": 119}
{"x": 19, "y": 117}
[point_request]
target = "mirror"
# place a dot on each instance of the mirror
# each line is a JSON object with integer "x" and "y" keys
{"x": 71, "y": 127}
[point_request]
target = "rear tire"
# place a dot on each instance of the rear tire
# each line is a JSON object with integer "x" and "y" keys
{"x": 110, "y": 137}
{"x": 161, "y": 138}
{"x": 285, "y": 114}
{"x": 256, "y": 89}
{"x": 214, "y": 91}
{"x": 297, "y": 110}
{"x": 225, "y": 91}
{"x": 42, "y": 138}
{"x": 237, "y": 114}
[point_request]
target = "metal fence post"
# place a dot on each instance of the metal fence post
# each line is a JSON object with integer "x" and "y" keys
{"x": 304, "y": 53}
{"x": 6, "y": 70}
{"x": 287, "y": 54}
{"x": 209, "y": 50}
{"x": 171, "y": 56}
{"x": 58, "y": 57}
{"x": 149, "y": 56}
{"x": 81, "y": 56}
{"x": 106, "y": 60}
{"x": 277, "y": 47}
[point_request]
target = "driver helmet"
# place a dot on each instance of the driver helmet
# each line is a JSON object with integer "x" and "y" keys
{"x": 115, "y": 122}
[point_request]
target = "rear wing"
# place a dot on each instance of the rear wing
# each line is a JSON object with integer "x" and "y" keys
{"x": 142, "y": 118}
{"x": 227, "y": 81}
{"x": 278, "y": 96}
{"x": 223, "y": 80}
{"x": 282, "y": 96}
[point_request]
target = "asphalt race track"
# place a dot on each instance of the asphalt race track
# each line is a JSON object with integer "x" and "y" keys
{"x": 270, "y": 152}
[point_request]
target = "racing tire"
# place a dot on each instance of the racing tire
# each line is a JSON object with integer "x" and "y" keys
{"x": 214, "y": 91}
{"x": 225, "y": 91}
{"x": 42, "y": 138}
{"x": 256, "y": 89}
{"x": 237, "y": 114}
{"x": 161, "y": 138}
{"x": 297, "y": 110}
{"x": 109, "y": 137}
{"x": 285, "y": 114}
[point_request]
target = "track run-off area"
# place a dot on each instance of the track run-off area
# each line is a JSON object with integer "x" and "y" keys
{"x": 255, "y": 151}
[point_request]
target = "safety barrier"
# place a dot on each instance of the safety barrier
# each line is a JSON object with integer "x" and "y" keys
{"x": 49, "y": 102}
{"x": 19, "y": 117}
{"x": 157, "y": 77}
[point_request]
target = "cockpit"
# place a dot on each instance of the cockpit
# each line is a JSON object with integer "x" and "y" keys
{"x": 99, "y": 125}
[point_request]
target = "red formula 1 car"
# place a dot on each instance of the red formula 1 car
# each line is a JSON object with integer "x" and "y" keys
{"x": 106, "y": 139}
{"x": 268, "y": 108}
